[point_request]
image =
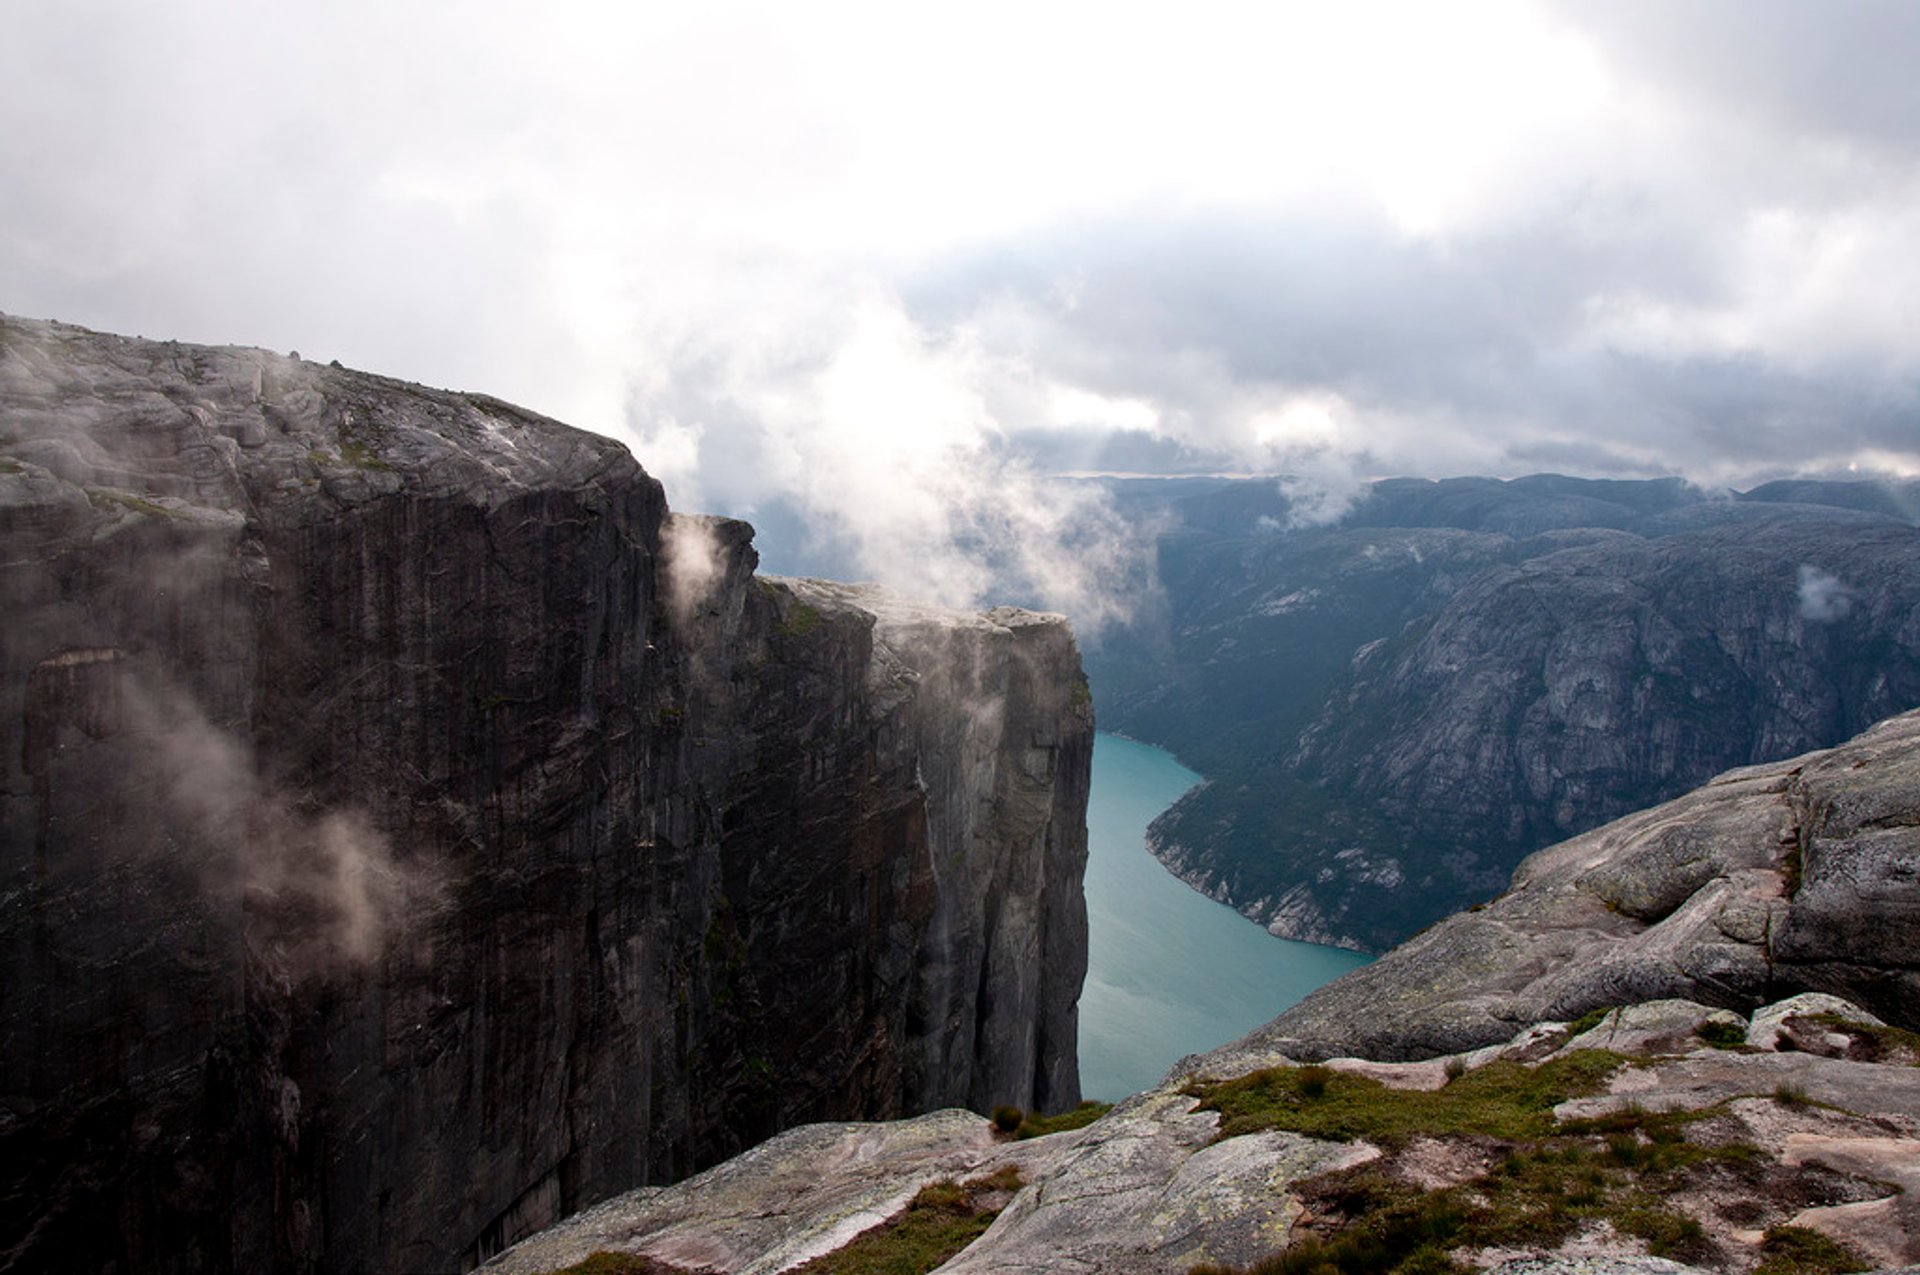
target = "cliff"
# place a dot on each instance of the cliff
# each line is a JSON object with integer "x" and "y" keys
{"x": 1395, "y": 710}
{"x": 1665, "y": 1050}
{"x": 413, "y": 832}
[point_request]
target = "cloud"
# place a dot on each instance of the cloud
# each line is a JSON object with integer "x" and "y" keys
{"x": 814, "y": 274}
{"x": 1823, "y": 597}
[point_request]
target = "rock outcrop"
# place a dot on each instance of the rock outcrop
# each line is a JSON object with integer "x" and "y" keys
{"x": 414, "y": 833}
{"x": 1683, "y": 1042}
{"x": 1801, "y": 876}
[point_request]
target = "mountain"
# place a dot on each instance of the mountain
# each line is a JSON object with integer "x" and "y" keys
{"x": 1687, "y": 1041}
{"x": 1395, "y": 708}
{"x": 413, "y": 832}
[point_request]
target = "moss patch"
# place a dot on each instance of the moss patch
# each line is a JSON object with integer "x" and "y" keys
{"x": 1795, "y": 1250}
{"x": 1549, "y": 1179}
{"x": 1500, "y": 1100}
{"x": 1039, "y": 1126}
{"x": 943, "y": 1218}
{"x": 1883, "y": 1043}
{"x": 798, "y": 620}
{"x": 357, "y": 454}
{"x": 103, "y": 500}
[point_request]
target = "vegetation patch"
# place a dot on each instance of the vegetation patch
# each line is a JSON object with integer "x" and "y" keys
{"x": 1590, "y": 1020}
{"x": 798, "y": 620}
{"x": 1883, "y": 1044}
{"x": 1549, "y": 1179}
{"x": 358, "y": 455}
{"x": 943, "y": 1218}
{"x": 104, "y": 499}
{"x": 1500, "y": 1100}
{"x": 1039, "y": 1126}
{"x": 1796, "y": 1250}
{"x": 1722, "y": 1034}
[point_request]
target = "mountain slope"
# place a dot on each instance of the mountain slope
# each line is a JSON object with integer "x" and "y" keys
{"x": 1393, "y": 712}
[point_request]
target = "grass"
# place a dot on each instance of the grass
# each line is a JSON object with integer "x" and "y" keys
{"x": 1501, "y": 1100}
{"x": 1795, "y": 1250}
{"x": 104, "y": 499}
{"x": 1551, "y": 1179}
{"x": 1722, "y": 1034}
{"x": 943, "y": 1218}
{"x": 1039, "y": 1126}
{"x": 1589, "y": 1020}
{"x": 1886, "y": 1040}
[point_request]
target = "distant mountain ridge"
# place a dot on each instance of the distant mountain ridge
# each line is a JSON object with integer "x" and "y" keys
{"x": 1396, "y": 708}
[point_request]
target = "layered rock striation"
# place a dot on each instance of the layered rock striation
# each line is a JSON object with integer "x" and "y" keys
{"x": 413, "y": 832}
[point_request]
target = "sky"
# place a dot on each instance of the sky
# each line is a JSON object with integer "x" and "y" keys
{"x": 877, "y": 271}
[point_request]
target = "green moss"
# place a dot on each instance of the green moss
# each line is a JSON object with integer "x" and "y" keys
{"x": 1590, "y": 1020}
{"x": 1885, "y": 1040}
{"x": 943, "y": 1218}
{"x": 1502, "y": 1100}
{"x": 358, "y": 455}
{"x": 8, "y": 465}
{"x": 798, "y": 620}
{"x": 1038, "y": 1126}
{"x": 103, "y": 499}
{"x": 1006, "y": 1118}
{"x": 1554, "y": 1179}
{"x": 1796, "y": 1250}
{"x": 1722, "y": 1034}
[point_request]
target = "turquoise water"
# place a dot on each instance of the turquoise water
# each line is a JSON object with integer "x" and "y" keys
{"x": 1169, "y": 971}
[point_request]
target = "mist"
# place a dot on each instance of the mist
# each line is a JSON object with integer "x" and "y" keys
{"x": 846, "y": 294}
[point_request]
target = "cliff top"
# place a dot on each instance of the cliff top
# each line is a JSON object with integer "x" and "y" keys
{"x": 182, "y": 427}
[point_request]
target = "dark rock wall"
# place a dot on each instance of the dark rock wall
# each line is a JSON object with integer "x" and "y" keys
{"x": 413, "y": 833}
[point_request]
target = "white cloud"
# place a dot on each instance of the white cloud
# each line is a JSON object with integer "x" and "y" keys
{"x": 862, "y": 258}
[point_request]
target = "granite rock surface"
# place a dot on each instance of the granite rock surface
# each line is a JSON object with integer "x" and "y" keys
{"x": 413, "y": 832}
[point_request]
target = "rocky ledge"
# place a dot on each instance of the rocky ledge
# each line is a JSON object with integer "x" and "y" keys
{"x": 1685, "y": 1041}
{"x": 413, "y": 833}
{"x": 1663, "y": 1137}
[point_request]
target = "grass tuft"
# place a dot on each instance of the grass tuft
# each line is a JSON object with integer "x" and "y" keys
{"x": 943, "y": 1218}
{"x": 1796, "y": 1250}
{"x": 1503, "y": 1099}
{"x": 1038, "y": 1126}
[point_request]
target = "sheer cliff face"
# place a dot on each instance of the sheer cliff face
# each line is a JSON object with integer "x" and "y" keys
{"x": 412, "y": 832}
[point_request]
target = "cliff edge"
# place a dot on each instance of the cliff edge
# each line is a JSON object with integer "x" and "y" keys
{"x": 414, "y": 833}
{"x": 1681, "y": 1043}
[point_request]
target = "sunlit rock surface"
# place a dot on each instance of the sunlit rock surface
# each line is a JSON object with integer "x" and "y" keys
{"x": 414, "y": 833}
{"x": 1799, "y": 876}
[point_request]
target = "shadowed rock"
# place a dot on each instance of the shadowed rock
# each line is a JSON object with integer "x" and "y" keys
{"x": 414, "y": 833}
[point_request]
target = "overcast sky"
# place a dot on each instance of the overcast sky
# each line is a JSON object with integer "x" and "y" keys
{"x": 894, "y": 263}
